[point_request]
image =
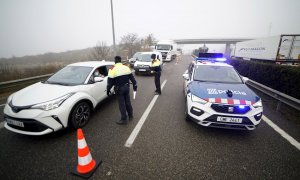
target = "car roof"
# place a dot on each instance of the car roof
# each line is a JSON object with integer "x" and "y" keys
{"x": 92, "y": 63}
{"x": 151, "y": 52}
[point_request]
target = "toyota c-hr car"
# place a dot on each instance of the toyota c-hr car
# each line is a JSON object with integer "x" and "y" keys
{"x": 217, "y": 96}
{"x": 65, "y": 99}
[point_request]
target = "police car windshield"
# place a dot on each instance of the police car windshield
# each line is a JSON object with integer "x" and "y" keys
{"x": 145, "y": 58}
{"x": 163, "y": 47}
{"x": 222, "y": 74}
{"x": 70, "y": 75}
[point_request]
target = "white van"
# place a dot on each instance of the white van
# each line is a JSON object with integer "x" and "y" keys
{"x": 142, "y": 65}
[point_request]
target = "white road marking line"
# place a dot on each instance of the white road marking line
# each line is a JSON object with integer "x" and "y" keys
{"x": 289, "y": 138}
{"x": 2, "y": 125}
{"x": 2, "y": 105}
{"x": 139, "y": 125}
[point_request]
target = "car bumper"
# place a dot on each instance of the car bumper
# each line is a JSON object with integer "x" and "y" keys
{"x": 142, "y": 69}
{"x": 204, "y": 115}
{"x": 36, "y": 121}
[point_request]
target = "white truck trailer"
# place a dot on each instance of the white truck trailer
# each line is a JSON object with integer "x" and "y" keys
{"x": 275, "y": 48}
{"x": 168, "y": 49}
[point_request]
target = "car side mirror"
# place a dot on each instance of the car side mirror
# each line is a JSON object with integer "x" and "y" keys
{"x": 98, "y": 79}
{"x": 186, "y": 76}
{"x": 245, "y": 79}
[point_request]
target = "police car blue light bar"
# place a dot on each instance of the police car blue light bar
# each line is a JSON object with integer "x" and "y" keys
{"x": 213, "y": 57}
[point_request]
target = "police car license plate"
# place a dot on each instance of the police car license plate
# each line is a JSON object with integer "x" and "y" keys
{"x": 14, "y": 122}
{"x": 229, "y": 119}
{"x": 142, "y": 69}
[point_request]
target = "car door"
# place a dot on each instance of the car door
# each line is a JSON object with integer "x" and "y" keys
{"x": 98, "y": 89}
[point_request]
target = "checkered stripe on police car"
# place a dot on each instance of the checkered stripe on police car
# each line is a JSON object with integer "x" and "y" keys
{"x": 229, "y": 101}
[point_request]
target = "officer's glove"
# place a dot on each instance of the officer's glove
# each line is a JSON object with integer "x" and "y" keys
{"x": 135, "y": 87}
{"x": 108, "y": 92}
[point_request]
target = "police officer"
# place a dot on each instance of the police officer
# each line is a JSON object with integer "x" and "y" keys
{"x": 156, "y": 69}
{"x": 119, "y": 76}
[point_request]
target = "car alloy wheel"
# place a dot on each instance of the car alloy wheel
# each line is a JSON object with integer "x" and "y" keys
{"x": 80, "y": 115}
{"x": 187, "y": 118}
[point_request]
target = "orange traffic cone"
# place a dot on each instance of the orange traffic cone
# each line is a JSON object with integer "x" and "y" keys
{"x": 86, "y": 164}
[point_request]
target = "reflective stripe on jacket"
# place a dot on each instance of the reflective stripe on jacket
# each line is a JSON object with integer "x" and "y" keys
{"x": 119, "y": 75}
{"x": 155, "y": 65}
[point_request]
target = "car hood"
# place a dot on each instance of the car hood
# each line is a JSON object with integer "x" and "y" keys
{"x": 39, "y": 93}
{"x": 206, "y": 90}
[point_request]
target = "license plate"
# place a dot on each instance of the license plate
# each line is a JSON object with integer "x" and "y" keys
{"x": 142, "y": 69}
{"x": 229, "y": 119}
{"x": 14, "y": 122}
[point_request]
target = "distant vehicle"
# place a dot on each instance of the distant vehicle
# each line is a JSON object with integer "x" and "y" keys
{"x": 217, "y": 96}
{"x": 143, "y": 64}
{"x": 67, "y": 98}
{"x": 135, "y": 57}
{"x": 168, "y": 49}
{"x": 274, "y": 48}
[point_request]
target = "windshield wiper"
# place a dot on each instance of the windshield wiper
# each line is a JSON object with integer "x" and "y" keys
{"x": 58, "y": 83}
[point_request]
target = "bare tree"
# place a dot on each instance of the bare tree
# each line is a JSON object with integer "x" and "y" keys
{"x": 101, "y": 51}
{"x": 148, "y": 42}
{"x": 130, "y": 44}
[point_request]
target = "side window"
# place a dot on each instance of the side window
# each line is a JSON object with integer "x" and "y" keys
{"x": 103, "y": 71}
{"x": 99, "y": 72}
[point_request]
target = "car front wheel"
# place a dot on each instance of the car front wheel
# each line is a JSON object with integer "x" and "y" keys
{"x": 80, "y": 115}
{"x": 186, "y": 114}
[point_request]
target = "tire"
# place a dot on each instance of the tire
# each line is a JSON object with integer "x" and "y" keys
{"x": 136, "y": 73}
{"x": 80, "y": 115}
{"x": 187, "y": 117}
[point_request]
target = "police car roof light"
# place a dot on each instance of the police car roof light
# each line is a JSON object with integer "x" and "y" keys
{"x": 221, "y": 59}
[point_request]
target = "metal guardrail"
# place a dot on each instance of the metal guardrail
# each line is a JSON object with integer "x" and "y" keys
{"x": 4, "y": 86}
{"x": 281, "y": 97}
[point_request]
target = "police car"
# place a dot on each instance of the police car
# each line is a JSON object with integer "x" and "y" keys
{"x": 65, "y": 99}
{"x": 217, "y": 96}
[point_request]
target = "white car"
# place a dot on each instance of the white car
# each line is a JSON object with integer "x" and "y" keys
{"x": 143, "y": 64}
{"x": 217, "y": 96}
{"x": 65, "y": 99}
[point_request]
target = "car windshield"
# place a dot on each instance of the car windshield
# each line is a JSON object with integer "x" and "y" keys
{"x": 145, "y": 58}
{"x": 221, "y": 74}
{"x": 163, "y": 47}
{"x": 137, "y": 55}
{"x": 70, "y": 75}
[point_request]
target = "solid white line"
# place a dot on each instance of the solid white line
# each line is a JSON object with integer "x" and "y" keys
{"x": 289, "y": 138}
{"x": 2, "y": 105}
{"x": 2, "y": 125}
{"x": 139, "y": 125}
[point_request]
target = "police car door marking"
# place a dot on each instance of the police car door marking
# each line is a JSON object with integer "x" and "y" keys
{"x": 221, "y": 91}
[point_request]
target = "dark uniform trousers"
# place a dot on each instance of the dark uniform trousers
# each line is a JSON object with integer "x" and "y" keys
{"x": 124, "y": 101}
{"x": 157, "y": 82}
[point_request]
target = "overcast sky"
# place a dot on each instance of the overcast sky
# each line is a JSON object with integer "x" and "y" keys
{"x": 30, "y": 27}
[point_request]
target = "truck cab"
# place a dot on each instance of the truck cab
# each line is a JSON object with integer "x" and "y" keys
{"x": 168, "y": 50}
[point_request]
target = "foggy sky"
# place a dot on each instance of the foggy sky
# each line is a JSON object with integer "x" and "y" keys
{"x": 30, "y": 27}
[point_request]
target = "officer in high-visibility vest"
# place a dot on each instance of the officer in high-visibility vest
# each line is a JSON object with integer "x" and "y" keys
{"x": 119, "y": 76}
{"x": 156, "y": 69}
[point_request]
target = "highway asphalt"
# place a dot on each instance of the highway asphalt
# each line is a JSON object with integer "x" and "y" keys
{"x": 166, "y": 147}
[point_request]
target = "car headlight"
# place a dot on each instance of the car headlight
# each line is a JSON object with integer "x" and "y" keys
{"x": 49, "y": 105}
{"x": 257, "y": 104}
{"x": 9, "y": 98}
{"x": 198, "y": 100}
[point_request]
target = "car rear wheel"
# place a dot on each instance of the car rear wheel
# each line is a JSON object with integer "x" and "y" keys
{"x": 80, "y": 115}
